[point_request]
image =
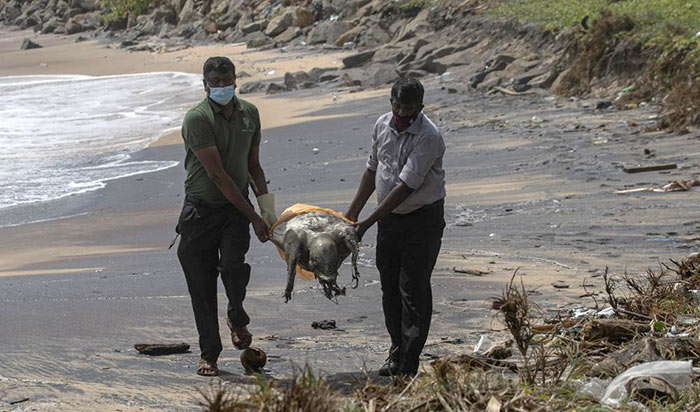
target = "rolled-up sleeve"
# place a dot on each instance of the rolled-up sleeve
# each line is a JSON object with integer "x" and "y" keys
{"x": 421, "y": 159}
{"x": 372, "y": 160}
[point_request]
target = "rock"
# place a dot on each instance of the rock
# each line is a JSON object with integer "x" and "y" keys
{"x": 305, "y": 17}
{"x": 604, "y": 104}
{"x": 72, "y": 27}
{"x": 288, "y": 35}
{"x": 432, "y": 67}
{"x": 252, "y": 87}
{"x": 318, "y": 72}
{"x": 280, "y": 23}
{"x": 256, "y": 39}
{"x": 374, "y": 36}
{"x": 85, "y": 5}
{"x": 358, "y": 59}
{"x": 252, "y": 27}
{"x": 390, "y": 54}
{"x": 327, "y": 32}
{"x": 352, "y": 77}
{"x": 31, "y": 21}
{"x": 164, "y": 15}
{"x": 418, "y": 25}
{"x": 158, "y": 349}
{"x": 380, "y": 74}
{"x": 298, "y": 80}
{"x": 188, "y": 14}
{"x": 274, "y": 88}
{"x": 210, "y": 27}
{"x": 28, "y": 44}
{"x": 520, "y": 82}
{"x": 229, "y": 20}
{"x": 50, "y": 26}
{"x": 324, "y": 324}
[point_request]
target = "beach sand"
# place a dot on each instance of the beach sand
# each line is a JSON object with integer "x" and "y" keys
{"x": 93, "y": 275}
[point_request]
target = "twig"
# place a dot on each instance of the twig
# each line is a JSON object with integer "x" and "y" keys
{"x": 443, "y": 402}
{"x": 387, "y": 407}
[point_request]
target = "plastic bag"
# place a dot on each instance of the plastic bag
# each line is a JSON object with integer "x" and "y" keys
{"x": 677, "y": 373}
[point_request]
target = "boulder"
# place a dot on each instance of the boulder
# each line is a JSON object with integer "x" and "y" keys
{"x": 252, "y": 27}
{"x": 210, "y": 27}
{"x": 91, "y": 21}
{"x": 280, "y": 23}
{"x": 380, "y": 74}
{"x": 327, "y": 32}
{"x": 288, "y": 35}
{"x": 31, "y": 21}
{"x": 73, "y": 26}
{"x": 256, "y": 39}
{"x": 298, "y": 80}
{"x": 352, "y": 77}
{"x": 228, "y": 20}
{"x": 252, "y": 87}
{"x": 420, "y": 24}
{"x": 318, "y": 73}
{"x": 85, "y": 5}
{"x": 164, "y": 15}
{"x": 28, "y": 44}
{"x": 50, "y": 26}
{"x": 358, "y": 59}
{"x": 390, "y": 54}
{"x": 188, "y": 14}
{"x": 305, "y": 16}
{"x": 274, "y": 88}
{"x": 374, "y": 36}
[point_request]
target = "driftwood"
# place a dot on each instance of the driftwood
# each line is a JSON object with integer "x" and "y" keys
{"x": 159, "y": 349}
{"x": 613, "y": 330}
{"x": 649, "y": 168}
{"x": 647, "y": 350}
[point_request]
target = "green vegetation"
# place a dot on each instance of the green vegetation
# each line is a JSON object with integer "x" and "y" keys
{"x": 653, "y": 18}
{"x": 664, "y": 33}
{"x": 121, "y": 8}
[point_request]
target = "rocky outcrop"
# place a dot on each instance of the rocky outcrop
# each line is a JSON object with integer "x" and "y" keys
{"x": 391, "y": 39}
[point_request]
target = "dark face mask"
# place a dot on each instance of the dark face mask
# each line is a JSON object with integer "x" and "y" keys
{"x": 403, "y": 122}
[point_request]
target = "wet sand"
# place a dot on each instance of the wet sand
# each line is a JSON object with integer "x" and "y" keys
{"x": 534, "y": 195}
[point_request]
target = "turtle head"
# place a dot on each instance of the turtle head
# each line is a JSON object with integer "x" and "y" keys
{"x": 324, "y": 262}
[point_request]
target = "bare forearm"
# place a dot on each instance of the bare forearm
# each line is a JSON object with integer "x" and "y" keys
{"x": 257, "y": 176}
{"x": 363, "y": 193}
{"x": 224, "y": 182}
{"x": 391, "y": 202}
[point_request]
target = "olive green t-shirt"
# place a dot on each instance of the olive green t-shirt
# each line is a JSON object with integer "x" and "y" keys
{"x": 204, "y": 126}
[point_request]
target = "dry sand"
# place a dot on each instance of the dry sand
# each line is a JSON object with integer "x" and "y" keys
{"x": 536, "y": 196}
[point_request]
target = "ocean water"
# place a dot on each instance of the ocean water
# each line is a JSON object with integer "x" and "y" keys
{"x": 64, "y": 135}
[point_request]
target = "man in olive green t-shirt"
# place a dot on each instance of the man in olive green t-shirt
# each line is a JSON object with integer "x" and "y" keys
{"x": 222, "y": 139}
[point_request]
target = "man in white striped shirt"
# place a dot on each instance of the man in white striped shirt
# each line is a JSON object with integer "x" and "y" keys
{"x": 405, "y": 168}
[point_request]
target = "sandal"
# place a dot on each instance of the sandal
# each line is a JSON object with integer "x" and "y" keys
{"x": 206, "y": 368}
{"x": 240, "y": 337}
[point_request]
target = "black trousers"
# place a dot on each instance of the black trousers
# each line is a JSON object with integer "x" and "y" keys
{"x": 214, "y": 240}
{"x": 407, "y": 249}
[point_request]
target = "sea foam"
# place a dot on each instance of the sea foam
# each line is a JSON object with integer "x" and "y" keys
{"x": 63, "y": 135}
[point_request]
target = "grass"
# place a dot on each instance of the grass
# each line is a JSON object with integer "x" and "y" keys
{"x": 653, "y": 17}
{"x": 663, "y": 34}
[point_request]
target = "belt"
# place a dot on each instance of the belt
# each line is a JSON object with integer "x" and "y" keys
{"x": 421, "y": 209}
{"x": 199, "y": 202}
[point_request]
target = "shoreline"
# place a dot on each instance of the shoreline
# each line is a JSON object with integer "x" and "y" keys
{"x": 532, "y": 196}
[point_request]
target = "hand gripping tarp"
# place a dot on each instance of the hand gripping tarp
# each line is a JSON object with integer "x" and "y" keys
{"x": 296, "y": 210}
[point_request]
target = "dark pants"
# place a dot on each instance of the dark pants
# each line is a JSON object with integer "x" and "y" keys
{"x": 407, "y": 248}
{"x": 214, "y": 240}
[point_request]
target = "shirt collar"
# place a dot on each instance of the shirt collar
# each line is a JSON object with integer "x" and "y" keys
{"x": 414, "y": 128}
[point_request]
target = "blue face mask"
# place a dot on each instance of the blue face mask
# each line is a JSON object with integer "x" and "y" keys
{"x": 222, "y": 95}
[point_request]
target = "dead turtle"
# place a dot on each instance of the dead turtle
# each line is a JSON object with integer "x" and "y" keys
{"x": 318, "y": 241}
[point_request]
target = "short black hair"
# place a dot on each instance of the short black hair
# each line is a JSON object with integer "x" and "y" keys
{"x": 407, "y": 90}
{"x": 218, "y": 64}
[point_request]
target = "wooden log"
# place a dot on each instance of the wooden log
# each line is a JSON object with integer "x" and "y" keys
{"x": 159, "y": 349}
{"x": 649, "y": 168}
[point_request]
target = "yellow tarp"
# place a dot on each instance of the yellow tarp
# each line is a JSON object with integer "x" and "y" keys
{"x": 296, "y": 210}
